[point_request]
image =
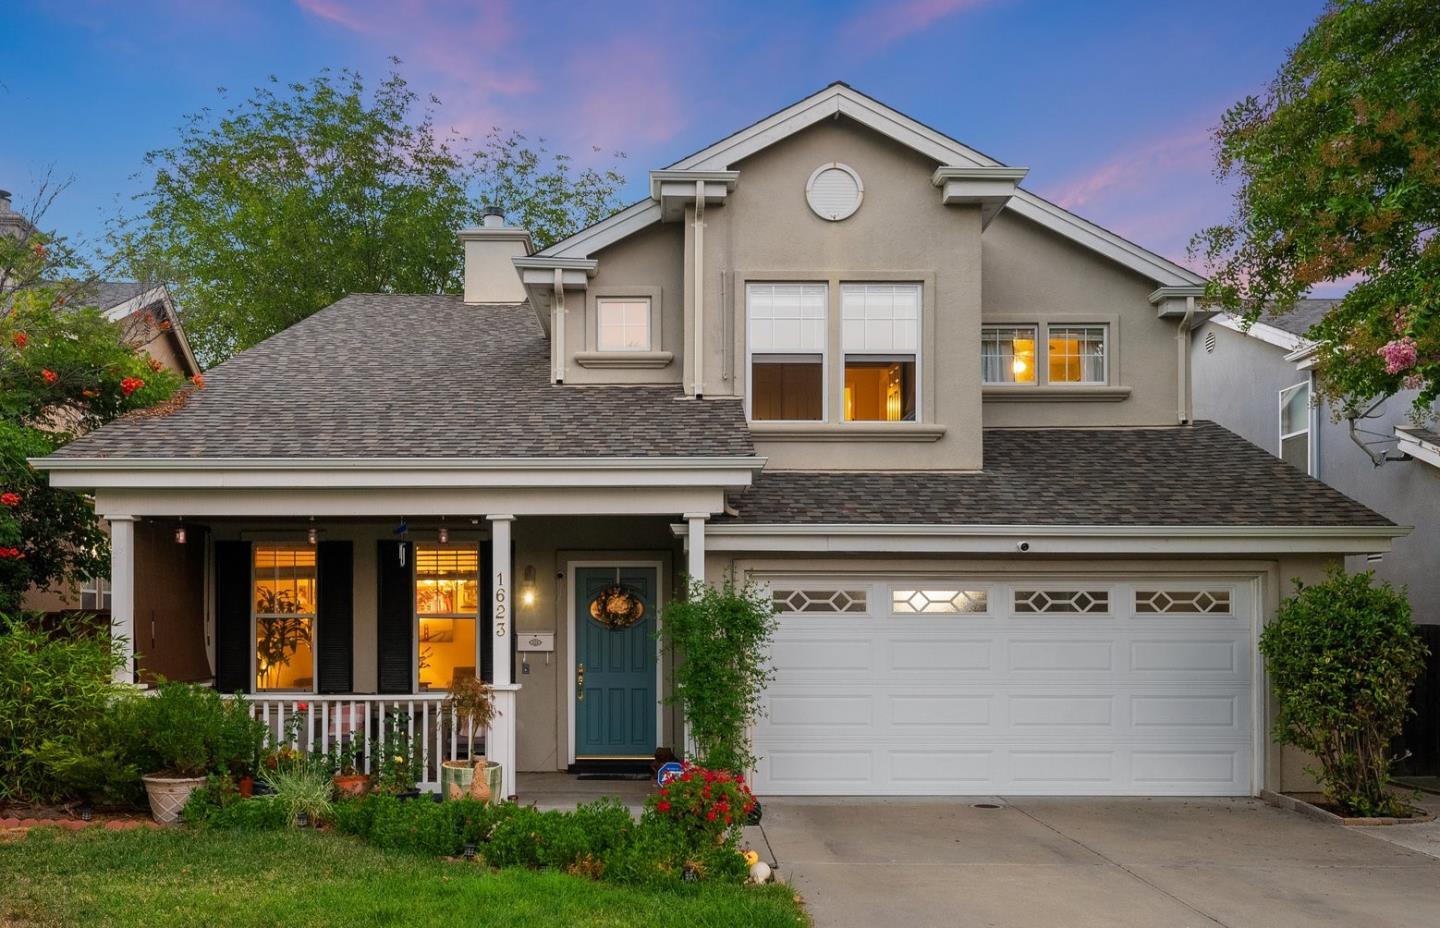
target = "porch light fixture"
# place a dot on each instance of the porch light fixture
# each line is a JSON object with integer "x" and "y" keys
{"x": 180, "y": 534}
{"x": 527, "y": 587}
{"x": 310, "y": 536}
{"x": 444, "y": 535}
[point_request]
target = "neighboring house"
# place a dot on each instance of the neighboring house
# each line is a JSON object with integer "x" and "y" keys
{"x": 146, "y": 317}
{"x": 1257, "y": 381}
{"x": 947, "y": 422}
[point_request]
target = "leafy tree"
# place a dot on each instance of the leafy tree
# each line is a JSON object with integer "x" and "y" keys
{"x": 1338, "y": 164}
{"x": 64, "y": 369}
{"x": 1343, "y": 656}
{"x": 305, "y": 192}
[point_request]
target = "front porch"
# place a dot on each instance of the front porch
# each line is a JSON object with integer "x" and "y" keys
{"x": 336, "y": 629}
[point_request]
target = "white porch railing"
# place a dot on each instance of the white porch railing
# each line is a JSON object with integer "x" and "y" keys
{"x": 362, "y": 721}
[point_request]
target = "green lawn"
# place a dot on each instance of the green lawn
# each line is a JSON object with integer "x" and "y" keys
{"x": 292, "y": 879}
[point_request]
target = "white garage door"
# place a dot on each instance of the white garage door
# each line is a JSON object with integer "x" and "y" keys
{"x": 934, "y": 686}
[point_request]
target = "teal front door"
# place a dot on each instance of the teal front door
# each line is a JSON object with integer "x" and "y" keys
{"x": 614, "y": 662}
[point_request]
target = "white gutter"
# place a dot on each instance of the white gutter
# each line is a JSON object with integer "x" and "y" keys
{"x": 557, "y": 328}
{"x": 1182, "y": 343}
{"x": 1022, "y": 541}
{"x": 699, "y": 315}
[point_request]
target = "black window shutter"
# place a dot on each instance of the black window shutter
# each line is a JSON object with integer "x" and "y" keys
{"x": 233, "y": 642}
{"x": 335, "y": 616}
{"x": 395, "y": 620}
{"x": 487, "y": 619}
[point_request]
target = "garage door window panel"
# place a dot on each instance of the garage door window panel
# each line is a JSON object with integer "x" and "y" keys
{"x": 1062, "y": 602}
{"x": 819, "y": 602}
{"x": 939, "y": 601}
{"x": 1183, "y": 602}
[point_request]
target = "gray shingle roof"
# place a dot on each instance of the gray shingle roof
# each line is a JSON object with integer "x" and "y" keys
{"x": 417, "y": 376}
{"x": 1298, "y": 319}
{"x": 1182, "y": 475}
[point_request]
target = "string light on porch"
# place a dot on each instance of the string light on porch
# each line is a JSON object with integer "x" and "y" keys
{"x": 311, "y": 535}
{"x": 444, "y": 535}
{"x": 180, "y": 534}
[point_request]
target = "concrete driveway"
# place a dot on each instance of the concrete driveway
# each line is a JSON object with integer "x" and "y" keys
{"x": 1069, "y": 863}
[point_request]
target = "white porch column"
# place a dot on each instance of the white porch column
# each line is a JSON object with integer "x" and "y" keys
{"x": 695, "y": 544}
{"x": 500, "y": 742}
{"x": 122, "y": 591}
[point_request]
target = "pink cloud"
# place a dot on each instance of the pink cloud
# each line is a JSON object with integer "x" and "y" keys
{"x": 335, "y": 12}
{"x": 884, "y": 24}
{"x": 1185, "y": 152}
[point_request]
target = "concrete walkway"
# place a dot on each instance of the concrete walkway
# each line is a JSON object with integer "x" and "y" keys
{"x": 1070, "y": 863}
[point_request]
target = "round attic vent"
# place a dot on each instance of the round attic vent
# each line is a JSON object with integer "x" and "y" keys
{"x": 834, "y": 191}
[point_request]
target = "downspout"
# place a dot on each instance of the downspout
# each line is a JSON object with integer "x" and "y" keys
{"x": 698, "y": 345}
{"x": 557, "y": 328}
{"x": 1182, "y": 350}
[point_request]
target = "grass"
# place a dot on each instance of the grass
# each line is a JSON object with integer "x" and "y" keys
{"x": 295, "y": 879}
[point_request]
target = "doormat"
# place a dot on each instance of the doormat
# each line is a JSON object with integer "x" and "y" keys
{"x": 612, "y": 776}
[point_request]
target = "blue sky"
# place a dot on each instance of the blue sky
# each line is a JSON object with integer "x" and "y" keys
{"x": 1109, "y": 102}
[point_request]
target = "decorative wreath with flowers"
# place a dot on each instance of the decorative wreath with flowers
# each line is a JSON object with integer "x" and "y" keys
{"x": 617, "y": 607}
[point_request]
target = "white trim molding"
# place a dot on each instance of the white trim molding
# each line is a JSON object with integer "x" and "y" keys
{"x": 1414, "y": 443}
{"x": 1043, "y": 540}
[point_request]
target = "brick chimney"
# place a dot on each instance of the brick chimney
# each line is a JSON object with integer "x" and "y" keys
{"x": 12, "y": 223}
{"x": 490, "y": 277}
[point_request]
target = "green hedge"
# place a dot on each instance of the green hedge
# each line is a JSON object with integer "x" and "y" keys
{"x": 599, "y": 840}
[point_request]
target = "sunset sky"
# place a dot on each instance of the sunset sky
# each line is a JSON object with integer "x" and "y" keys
{"x": 1109, "y": 103}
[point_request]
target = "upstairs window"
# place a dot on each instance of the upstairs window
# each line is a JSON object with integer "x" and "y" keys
{"x": 787, "y": 334}
{"x": 1007, "y": 354}
{"x": 1295, "y": 426}
{"x": 284, "y": 580}
{"x": 623, "y": 325}
{"x": 1076, "y": 353}
{"x": 880, "y": 332}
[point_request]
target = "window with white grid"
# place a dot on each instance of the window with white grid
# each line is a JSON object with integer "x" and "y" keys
{"x": 623, "y": 325}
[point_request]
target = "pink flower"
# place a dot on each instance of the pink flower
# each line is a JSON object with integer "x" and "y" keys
{"x": 1413, "y": 382}
{"x": 1400, "y": 355}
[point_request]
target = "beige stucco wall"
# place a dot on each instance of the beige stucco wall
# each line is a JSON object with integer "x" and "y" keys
{"x": 1032, "y": 275}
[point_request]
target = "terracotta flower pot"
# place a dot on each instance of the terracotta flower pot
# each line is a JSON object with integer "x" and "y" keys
{"x": 246, "y": 785}
{"x": 351, "y": 784}
{"x": 168, "y": 795}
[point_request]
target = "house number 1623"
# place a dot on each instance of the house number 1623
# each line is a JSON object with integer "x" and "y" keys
{"x": 501, "y": 610}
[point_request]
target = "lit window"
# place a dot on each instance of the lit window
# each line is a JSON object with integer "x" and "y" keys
{"x": 1007, "y": 354}
{"x": 623, "y": 325}
{"x": 447, "y": 604}
{"x": 1076, "y": 353}
{"x": 1295, "y": 426}
{"x": 284, "y": 617}
{"x": 880, "y": 331}
{"x": 786, "y": 326}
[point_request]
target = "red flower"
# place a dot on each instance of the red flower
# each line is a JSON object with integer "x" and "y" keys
{"x": 39, "y": 250}
{"x": 662, "y": 806}
{"x": 10, "y": 499}
{"x": 49, "y": 375}
{"x": 303, "y": 706}
{"x": 155, "y": 365}
{"x": 130, "y": 384}
{"x": 13, "y": 553}
{"x": 199, "y": 381}
{"x": 710, "y": 816}
{"x": 20, "y": 339}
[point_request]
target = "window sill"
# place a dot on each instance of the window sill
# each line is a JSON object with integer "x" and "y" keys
{"x": 628, "y": 360}
{"x": 1074, "y": 393}
{"x": 848, "y": 431}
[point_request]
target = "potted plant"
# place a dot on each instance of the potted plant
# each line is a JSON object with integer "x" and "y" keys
{"x": 472, "y": 705}
{"x": 345, "y": 772}
{"x": 189, "y": 732}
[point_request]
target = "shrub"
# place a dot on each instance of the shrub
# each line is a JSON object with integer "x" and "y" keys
{"x": 706, "y": 805}
{"x": 262, "y": 813}
{"x": 191, "y": 731}
{"x": 100, "y": 759}
{"x": 660, "y": 852}
{"x": 303, "y": 788}
{"x": 219, "y": 793}
{"x": 1343, "y": 655}
{"x": 720, "y": 637}
{"x": 53, "y": 685}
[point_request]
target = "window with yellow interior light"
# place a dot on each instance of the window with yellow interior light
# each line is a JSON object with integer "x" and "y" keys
{"x": 1076, "y": 353}
{"x": 447, "y": 608}
{"x": 880, "y": 332}
{"x": 284, "y": 587}
{"x": 1007, "y": 354}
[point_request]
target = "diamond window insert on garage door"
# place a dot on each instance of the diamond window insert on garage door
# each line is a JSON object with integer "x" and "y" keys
{"x": 1182, "y": 602}
{"x": 795, "y": 602}
{"x": 1062, "y": 602}
{"x": 937, "y": 601}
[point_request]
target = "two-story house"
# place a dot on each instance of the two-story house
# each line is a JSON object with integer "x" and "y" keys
{"x": 945, "y": 421}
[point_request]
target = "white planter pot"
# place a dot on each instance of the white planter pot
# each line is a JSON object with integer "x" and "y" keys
{"x": 168, "y": 796}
